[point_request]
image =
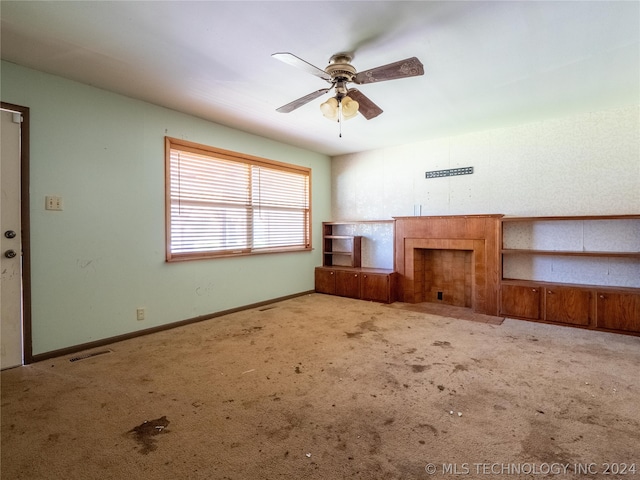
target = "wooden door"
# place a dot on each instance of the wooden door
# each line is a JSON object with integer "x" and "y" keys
{"x": 618, "y": 311}
{"x": 568, "y": 305}
{"x": 520, "y": 301}
{"x": 325, "y": 281}
{"x": 375, "y": 287}
{"x": 347, "y": 284}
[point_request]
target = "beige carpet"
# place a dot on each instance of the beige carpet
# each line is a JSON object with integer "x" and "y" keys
{"x": 322, "y": 387}
{"x": 451, "y": 311}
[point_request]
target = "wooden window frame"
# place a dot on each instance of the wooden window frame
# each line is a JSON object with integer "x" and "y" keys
{"x": 263, "y": 164}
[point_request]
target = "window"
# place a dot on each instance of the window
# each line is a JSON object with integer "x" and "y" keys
{"x": 222, "y": 203}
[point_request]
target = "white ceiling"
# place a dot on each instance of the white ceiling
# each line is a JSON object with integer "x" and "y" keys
{"x": 487, "y": 64}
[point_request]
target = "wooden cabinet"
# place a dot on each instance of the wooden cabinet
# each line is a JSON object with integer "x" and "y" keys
{"x": 602, "y": 308}
{"x": 567, "y": 305}
{"x": 545, "y": 260}
{"x": 372, "y": 284}
{"x": 325, "y": 281}
{"x": 522, "y": 301}
{"x": 348, "y": 283}
{"x": 377, "y": 287}
{"x": 547, "y": 302}
{"x": 618, "y": 311}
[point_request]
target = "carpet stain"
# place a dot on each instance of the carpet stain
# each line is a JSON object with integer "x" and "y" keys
{"x": 247, "y": 331}
{"x": 145, "y": 432}
{"x": 364, "y": 327}
{"x": 433, "y": 429}
{"x": 541, "y": 444}
{"x": 419, "y": 368}
{"x": 368, "y": 326}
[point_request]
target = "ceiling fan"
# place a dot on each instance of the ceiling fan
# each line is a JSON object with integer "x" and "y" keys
{"x": 339, "y": 73}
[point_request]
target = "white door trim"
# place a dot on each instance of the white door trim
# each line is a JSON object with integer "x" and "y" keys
{"x": 26, "y": 230}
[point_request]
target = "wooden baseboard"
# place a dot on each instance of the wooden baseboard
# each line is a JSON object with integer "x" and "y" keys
{"x": 138, "y": 333}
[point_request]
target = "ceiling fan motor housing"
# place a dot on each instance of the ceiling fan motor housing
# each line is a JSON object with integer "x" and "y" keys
{"x": 340, "y": 68}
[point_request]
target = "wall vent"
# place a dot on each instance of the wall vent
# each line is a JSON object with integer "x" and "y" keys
{"x": 450, "y": 172}
{"x": 89, "y": 355}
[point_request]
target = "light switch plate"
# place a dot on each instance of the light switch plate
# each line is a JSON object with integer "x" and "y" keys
{"x": 52, "y": 202}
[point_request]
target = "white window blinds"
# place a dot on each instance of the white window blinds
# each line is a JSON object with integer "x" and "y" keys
{"x": 221, "y": 203}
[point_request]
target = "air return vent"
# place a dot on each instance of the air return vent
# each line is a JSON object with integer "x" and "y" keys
{"x": 451, "y": 172}
{"x": 89, "y": 355}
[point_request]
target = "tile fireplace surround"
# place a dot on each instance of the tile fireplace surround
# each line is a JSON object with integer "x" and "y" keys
{"x": 477, "y": 234}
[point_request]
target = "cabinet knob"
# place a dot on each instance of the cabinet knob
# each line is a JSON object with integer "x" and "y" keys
{"x": 534, "y": 289}
{"x": 549, "y": 292}
{"x": 356, "y": 275}
{"x": 602, "y": 296}
{"x": 331, "y": 273}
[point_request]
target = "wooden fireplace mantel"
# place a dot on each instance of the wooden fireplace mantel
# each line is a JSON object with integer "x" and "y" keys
{"x": 478, "y": 234}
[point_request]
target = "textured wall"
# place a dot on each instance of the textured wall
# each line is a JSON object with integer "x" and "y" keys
{"x": 586, "y": 164}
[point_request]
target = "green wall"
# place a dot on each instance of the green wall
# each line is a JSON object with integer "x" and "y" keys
{"x": 102, "y": 257}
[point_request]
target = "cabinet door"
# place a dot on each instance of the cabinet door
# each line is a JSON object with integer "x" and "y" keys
{"x": 347, "y": 284}
{"x": 375, "y": 287}
{"x": 619, "y": 311}
{"x": 325, "y": 281}
{"x": 568, "y": 305}
{"x": 520, "y": 301}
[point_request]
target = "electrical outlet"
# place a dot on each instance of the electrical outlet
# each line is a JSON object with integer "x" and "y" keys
{"x": 140, "y": 314}
{"x": 53, "y": 202}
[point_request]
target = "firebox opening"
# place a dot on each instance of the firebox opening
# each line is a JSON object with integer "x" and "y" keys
{"x": 444, "y": 276}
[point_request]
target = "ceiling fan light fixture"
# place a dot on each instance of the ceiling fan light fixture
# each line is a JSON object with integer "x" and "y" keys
{"x": 330, "y": 108}
{"x": 349, "y": 108}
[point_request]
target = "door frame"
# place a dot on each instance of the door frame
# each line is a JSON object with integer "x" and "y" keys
{"x": 27, "y": 346}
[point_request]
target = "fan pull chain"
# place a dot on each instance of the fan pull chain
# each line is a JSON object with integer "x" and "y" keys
{"x": 340, "y": 118}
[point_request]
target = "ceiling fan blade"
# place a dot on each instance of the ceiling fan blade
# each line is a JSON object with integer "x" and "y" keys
{"x": 409, "y": 67}
{"x": 297, "y": 62}
{"x": 367, "y": 108}
{"x": 290, "y": 107}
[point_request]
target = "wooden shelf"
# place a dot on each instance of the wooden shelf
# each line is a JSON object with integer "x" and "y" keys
{"x": 597, "y": 306}
{"x": 573, "y": 219}
{"x": 346, "y": 277}
{"x": 517, "y": 281}
{"x": 359, "y": 222}
{"x": 509, "y": 251}
{"x": 349, "y": 246}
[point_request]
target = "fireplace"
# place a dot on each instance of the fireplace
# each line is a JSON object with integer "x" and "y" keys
{"x": 449, "y": 259}
{"x": 443, "y": 276}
